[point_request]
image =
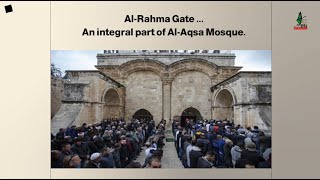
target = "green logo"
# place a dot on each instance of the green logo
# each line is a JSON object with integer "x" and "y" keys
{"x": 299, "y": 19}
{"x": 302, "y": 22}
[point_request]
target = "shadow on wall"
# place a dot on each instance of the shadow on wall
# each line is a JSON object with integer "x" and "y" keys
{"x": 265, "y": 114}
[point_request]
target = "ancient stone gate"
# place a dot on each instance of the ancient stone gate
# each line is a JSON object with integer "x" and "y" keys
{"x": 165, "y": 84}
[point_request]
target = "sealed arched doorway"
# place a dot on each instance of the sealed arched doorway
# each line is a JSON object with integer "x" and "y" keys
{"x": 191, "y": 114}
{"x": 142, "y": 114}
{"x": 223, "y": 106}
{"x": 112, "y": 106}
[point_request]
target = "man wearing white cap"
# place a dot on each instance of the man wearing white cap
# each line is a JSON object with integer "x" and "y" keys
{"x": 94, "y": 162}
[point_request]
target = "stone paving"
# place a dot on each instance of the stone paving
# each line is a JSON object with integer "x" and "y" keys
{"x": 170, "y": 158}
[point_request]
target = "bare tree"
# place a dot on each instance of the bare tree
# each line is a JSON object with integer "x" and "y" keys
{"x": 55, "y": 71}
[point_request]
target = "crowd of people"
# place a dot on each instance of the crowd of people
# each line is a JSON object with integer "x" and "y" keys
{"x": 221, "y": 144}
{"x": 113, "y": 143}
{"x": 116, "y": 143}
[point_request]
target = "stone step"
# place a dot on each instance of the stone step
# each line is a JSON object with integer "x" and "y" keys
{"x": 65, "y": 117}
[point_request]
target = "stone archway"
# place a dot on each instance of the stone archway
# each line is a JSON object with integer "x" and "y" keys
{"x": 191, "y": 89}
{"x": 126, "y": 69}
{"x": 223, "y": 105}
{"x": 142, "y": 114}
{"x": 112, "y": 107}
{"x": 190, "y": 114}
{"x": 200, "y": 65}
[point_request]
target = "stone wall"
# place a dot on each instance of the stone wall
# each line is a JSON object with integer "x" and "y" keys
{"x": 174, "y": 91}
{"x": 223, "y": 105}
{"x": 166, "y": 84}
{"x": 84, "y": 98}
{"x": 191, "y": 89}
{"x": 251, "y": 94}
{"x": 56, "y": 95}
{"x": 144, "y": 91}
{"x": 113, "y": 107}
{"x": 166, "y": 58}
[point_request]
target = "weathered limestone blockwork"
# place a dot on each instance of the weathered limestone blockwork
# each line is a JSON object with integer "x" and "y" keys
{"x": 191, "y": 89}
{"x": 56, "y": 95}
{"x": 165, "y": 84}
{"x": 250, "y": 93}
{"x": 166, "y": 58}
{"x": 144, "y": 91}
{"x": 113, "y": 103}
{"x": 84, "y": 95}
{"x": 223, "y": 105}
{"x": 128, "y": 68}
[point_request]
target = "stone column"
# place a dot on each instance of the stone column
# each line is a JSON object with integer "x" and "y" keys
{"x": 166, "y": 99}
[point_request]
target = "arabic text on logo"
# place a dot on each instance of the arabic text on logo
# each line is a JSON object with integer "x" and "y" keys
{"x": 301, "y": 23}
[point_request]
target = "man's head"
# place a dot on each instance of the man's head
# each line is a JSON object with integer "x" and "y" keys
{"x": 81, "y": 134}
{"x": 241, "y": 145}
{"x": 95, "y": 157}
{"x": 193, "y": 142}
{"x": 105, "y": 151}
{"x": 66, "y": 147}
{"x": 148, "y": 144}
{"x": 78, "y": 141}
{"x": 244, "y": 163}
{"x": 251, "y": 146}
{"x": 123, "y": 142}
{"x": 55, "y": 155}
{"x": 210, "y": 156}
{"x": 203, "y": 136}
{"x": 229, "y": 142}
{"x": 219, "y": 137}
{"x": 158, "y": 154}
{"x": 72, "y": 161}
{"x": 155, "y": 163}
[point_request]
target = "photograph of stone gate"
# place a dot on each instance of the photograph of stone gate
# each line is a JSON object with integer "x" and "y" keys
{"x": 162, "y": 84}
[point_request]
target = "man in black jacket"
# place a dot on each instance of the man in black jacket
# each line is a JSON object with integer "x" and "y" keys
{"x": 251, "y": 154}
{"x": 240, "y": 137}
{"x": 55, "y": 159}
{"x": 184, "y": 150}
{"x": 107, "y": 158}
{"x": 195, "y": 154}
{"x": 65, "y": 151}
{"x": 81, "y": 149}
{"x": 179, "y": 136}
{"x": 124, "y": 153}
{"x": 61, "y": 134}
{"x": 207, "y": 160}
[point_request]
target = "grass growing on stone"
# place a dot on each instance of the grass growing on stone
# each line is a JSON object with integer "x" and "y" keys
{"x": 169, "y": 139}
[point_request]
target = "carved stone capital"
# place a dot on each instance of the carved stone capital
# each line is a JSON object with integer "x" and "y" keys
{"x": 166, "y": 81}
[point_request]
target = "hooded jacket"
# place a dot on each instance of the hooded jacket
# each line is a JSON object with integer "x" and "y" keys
{"x": 252, "y": 156}
{"x": 195, "y": 154}
{"x": 236, "y": 153}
